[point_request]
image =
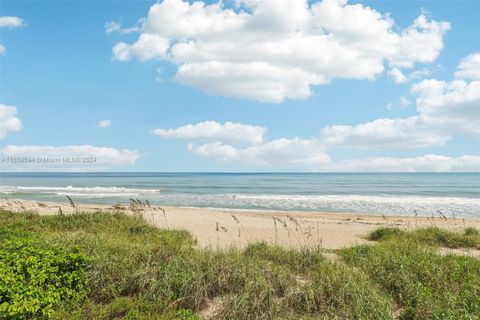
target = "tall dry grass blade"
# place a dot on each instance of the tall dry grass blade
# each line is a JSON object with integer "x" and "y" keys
{"x": 133, "y": 203}
{"x": 42, "y": 205}
{"x": 276, "y": 230}
{"x": 441, "y": 214}
{"x": 71, "y": 201}
{"x": 218, "y": 236}
{"x": 318, "y": 232}
{"x": 118, "y": 206}
{"x": 235, "y": 218}
{"x": 294, "y": 221}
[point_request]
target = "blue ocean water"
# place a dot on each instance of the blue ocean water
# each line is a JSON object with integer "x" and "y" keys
{"x": 372, "y": 193}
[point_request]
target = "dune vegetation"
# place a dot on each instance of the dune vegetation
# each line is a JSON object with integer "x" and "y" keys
{"x": 114, "y": 266}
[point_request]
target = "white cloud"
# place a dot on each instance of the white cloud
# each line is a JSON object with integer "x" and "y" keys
{"x": 243, "y": 143}
{"x": 274, "y": 50}
{"x": 227, "y": 132}
{"x": 404, "y": 102}
{"x": 404, "y": 133}
{"x": 469, "y": 67}
{"x": 11, "y": 22}
{"x": 8, "y": 120}
{"x": 259, "y": 81}
{"x": 280, "y": 152}
{"x": 444, "y": 108}
{"x": 113, "y": 26}
{"x": 418, "y": 74}
{"x": 452, "y": 106}
{"x": 64, "y": 158}
{"x": 421, "y": 42}
{"x": 148, "y": 46}
{"x": 221, "y": 145}
{"x": 398, "y": 76}
{"x": 105, "y": 124}
{"x": 427, "y": 163}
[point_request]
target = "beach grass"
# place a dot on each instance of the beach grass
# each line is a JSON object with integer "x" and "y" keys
{"x": 469, "y": 238}
{"x": 126, "y": 269}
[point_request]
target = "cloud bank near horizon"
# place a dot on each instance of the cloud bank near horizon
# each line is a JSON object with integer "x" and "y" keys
{"x": 444, "y": 110}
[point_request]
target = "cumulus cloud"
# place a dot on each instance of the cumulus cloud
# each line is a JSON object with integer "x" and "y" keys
{"x": 65, "y": 158}
{"x": 11, "y": 22}
{"x": 312, "y": 153}
{"x": 444, "y": 108}
{"x": 258, "y": 80}
{"x": 404, "y": 133}
{"x": 421, "y": 42}
{"x": 276, "y": 50}
{"x": 105, "y": 124}
{"x": 244, "y": 143}
{"x": 280, "y": 152}
{"x": 147, "y": 47}
{"x": 452, "y": 106}
{"x": 227, "y": 132}
{"x": 8, "y": 120}
{"x": 469, "y": 67}
{"x": 427, "y": 163}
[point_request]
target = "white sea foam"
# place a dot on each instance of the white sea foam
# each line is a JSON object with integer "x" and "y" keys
{"x": 374, "y": 204}
{"x": 402, "y": 205}
{"x": 360, "y": 198}
{"x": 97, "y": 192}
{"x": 424, "y": 205}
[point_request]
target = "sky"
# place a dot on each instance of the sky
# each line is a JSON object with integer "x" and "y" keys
{"x": 240, "y": 85}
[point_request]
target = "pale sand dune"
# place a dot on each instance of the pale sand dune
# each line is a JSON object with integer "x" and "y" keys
{"x": 329, "y": 230}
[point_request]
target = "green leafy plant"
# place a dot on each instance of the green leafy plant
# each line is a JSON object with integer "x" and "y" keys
{"x": 34, "y": 278}
{"x": 186, "y": 314}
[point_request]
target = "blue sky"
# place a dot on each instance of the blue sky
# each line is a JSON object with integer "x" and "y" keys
{"x": 333, "y": 101}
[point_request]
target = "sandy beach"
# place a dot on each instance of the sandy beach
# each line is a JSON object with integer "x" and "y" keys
{"x": 217, "y": 228}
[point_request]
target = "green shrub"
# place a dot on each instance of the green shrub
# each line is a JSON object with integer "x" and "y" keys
{"x": 186, "y": 314}
{"x": 384, "y": 233}
{"x": 34, "y": 279}
{"x": 470, "y": 238}
{"x": 445, "y": 238}
{"x": 471, "y": 232}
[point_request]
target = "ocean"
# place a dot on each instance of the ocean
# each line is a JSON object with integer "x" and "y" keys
{"x": 363, "y": 193}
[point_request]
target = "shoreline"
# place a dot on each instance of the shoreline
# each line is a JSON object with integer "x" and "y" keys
{"x": 223, "y": 228}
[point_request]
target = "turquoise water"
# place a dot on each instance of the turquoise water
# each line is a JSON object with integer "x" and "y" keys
{"x": 377, "y": 193}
